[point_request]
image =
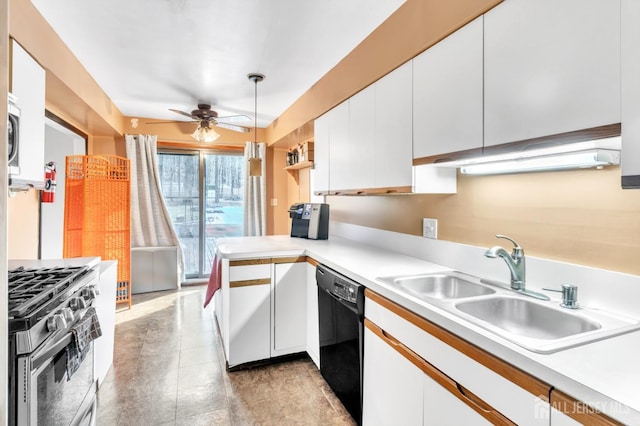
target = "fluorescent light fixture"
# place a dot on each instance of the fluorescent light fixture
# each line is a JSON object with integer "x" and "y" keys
{"x": 205, "y": 134}
{"x": 561, "y": 161}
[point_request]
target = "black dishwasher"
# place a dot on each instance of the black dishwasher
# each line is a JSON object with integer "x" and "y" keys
{"x": 341, "y": 321}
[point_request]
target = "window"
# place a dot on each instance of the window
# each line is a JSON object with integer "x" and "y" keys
{"x": 204, "y": 191}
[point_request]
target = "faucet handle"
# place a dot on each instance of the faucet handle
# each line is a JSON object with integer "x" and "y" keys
{"x": 518, "y": 252}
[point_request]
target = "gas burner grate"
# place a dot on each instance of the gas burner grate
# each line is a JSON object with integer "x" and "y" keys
{"x": 30, "y": 289}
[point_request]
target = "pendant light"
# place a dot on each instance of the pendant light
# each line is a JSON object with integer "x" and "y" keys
{"x": 255, "y": 162}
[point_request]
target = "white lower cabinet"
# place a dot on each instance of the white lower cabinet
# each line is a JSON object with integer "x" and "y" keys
{"x": 264, "y": 303}
{"x": 459, "y": 383}
{"x": 105, "y": 305}
{"x": 289, "y": 298}
{"x": 313, "y": 325}
{"x": 247, "y": 311}
{"x": 392, "y": 385}
{"x": 249, "y": 323}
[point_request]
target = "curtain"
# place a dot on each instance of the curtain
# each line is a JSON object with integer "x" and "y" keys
{"x": 255, "y": 196}
{"x": 151, "y": 224}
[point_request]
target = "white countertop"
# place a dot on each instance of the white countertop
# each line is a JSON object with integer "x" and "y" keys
{"x": 605, "y": 374}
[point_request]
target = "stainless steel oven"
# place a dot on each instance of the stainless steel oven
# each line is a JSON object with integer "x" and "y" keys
{"x": 52, "y": 325}
{"x": 48, "y": 394}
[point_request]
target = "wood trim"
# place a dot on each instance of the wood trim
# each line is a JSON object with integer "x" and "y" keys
{"x": 607, "y": 131}
{"x": 370, "y": 191}
{"x": 312, "y": 261}
{"x": 246, "y": 262}
{"x": 504, "y": 369}
{"x": 249, "y": 283}
{"x": 464, "y": 395}
{"x": 580, "y": 411}
{"x": 296, "y": 259}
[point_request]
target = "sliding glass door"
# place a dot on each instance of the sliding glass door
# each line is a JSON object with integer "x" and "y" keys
{"x": 204, "y": 191}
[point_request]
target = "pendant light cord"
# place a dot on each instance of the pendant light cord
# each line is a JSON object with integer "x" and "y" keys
{"x": 255, "y": 118}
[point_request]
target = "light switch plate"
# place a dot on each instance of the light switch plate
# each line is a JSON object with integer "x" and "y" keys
{"x": 430, "y": 228}
{"x": 274, "y": 202}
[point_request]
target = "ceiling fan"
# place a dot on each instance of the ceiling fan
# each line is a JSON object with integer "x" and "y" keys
{"x": 207, "y": 119}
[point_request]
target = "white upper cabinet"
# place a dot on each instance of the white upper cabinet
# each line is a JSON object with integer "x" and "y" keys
{"x": 360, "y": 150}
{"x": 551, "y": 66}
{"x": 393, "y": 129}
{"x": 339, "y": 162}
{"x": 28, "y": 85}
{"x": 630, "y": 157}
{"x": 447, "y": 94}
{"x": 321, "y": 136}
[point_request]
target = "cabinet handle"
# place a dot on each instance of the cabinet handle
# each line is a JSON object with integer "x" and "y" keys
{"x": 473, "y": 399}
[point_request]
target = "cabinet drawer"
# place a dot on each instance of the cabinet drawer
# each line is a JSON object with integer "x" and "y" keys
{"x": 249, "y": 272}
{"x": 511, "y": 391}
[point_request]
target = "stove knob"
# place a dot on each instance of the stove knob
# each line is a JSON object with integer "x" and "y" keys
{"x": 90, "y": 292}
{"x": 56, "y": 322}
{"x": 67, "y": 313}
{"x": 77, "y": 303}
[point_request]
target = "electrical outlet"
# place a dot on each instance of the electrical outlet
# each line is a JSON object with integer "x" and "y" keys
{"x": 430, "y": 228}
{"x": 274, "y": 202}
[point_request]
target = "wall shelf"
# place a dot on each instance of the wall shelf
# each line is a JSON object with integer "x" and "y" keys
{"x": 300, "y": 165}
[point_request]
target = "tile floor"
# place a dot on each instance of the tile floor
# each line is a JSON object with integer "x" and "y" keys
{"x": 169, "y": 370}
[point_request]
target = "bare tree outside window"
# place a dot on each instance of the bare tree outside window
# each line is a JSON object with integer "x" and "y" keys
{"x": 203, "y": 210}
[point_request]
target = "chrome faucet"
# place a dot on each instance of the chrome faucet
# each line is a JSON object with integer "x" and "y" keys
{"x": 516, "y": 263}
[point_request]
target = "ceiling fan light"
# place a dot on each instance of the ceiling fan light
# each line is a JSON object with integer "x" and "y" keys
{"x": 205, "y": 134}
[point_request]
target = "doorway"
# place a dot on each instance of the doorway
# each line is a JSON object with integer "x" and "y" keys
{"x": 204, "y": 192}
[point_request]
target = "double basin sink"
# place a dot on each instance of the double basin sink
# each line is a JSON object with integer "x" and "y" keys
{"x": 539, "y": 326}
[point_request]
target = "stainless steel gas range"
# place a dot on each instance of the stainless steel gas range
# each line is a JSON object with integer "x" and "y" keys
{"x": 52, "y": 325}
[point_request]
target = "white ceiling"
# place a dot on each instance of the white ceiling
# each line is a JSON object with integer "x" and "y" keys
{"x": 151, "y": 55}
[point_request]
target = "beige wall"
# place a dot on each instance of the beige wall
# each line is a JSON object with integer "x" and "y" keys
{"x": 581, "y": 217}
{"x": 24, "y": 218}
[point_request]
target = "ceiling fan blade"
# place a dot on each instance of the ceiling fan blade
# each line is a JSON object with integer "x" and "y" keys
{"x": 186, "y": 114}
{"x": 234, "y": 118}
{"x": 233, "y": 127}
{"x": 172, "y": 121}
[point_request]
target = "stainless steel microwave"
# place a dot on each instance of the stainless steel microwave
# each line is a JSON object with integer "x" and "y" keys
{"x": 13, "y": 125}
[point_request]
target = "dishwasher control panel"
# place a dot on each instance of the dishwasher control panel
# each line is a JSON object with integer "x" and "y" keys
{"x": 345, "y": 290}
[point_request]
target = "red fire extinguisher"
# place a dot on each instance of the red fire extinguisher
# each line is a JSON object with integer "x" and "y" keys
{"x": 49, "y": 182}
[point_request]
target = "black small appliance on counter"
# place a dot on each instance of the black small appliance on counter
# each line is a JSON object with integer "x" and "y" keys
{"x": 310, "y": 220}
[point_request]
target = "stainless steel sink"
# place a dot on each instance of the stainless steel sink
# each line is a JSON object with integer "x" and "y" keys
{"x": 539, "y": 326}
{"x": 449, "y": 285}
{"x": 527, "y": 318}
{"x": 536, "y": 325}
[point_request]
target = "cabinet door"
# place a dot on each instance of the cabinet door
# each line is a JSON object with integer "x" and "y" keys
{"x": 28, "y": 85}
{"x": 105, "y": 305}
{"x": 393, "y": 129}
{"x": 392, "y": 386}
{"x": 249, "y": 323}
{"x": 289, "y": 308}
{"x": 630, "y": 33}
{"x": 313, "y": 325}
{"x": 551, "y": 66}
{"x": 339, "y": 163}
{"x": 247, "y": 310}
{"x": 442, "y": 408}
{"x": 360, "y": 150}
{"x": 447, "y": 94}
{"x": 321, "y": 154}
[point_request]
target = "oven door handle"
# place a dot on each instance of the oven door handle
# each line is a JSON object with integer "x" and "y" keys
{"x": 45, "y": 354}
